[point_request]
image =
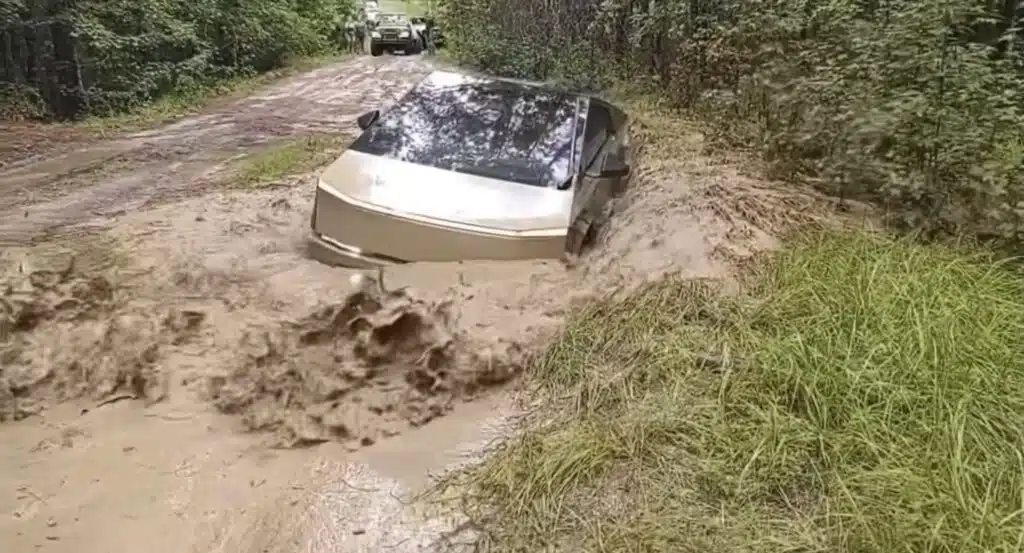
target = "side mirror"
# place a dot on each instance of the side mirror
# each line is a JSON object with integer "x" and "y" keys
{"x": 368, "y": 119}
{"x": 611, "y": 165}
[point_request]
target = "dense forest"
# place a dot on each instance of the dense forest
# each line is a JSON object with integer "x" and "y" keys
{"x": 916, "y": 104}
{"x": 69, "y": 58}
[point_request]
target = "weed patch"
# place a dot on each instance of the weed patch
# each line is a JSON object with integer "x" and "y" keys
{"x": 861, "y": 395}
{"x": 288, "y": 158}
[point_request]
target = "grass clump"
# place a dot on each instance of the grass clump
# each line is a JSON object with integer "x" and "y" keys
{"x": 863, "y": 395}
{"x": 288, "y": 158}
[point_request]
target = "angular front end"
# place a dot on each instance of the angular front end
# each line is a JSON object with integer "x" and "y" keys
{"x": 353, "y": 231}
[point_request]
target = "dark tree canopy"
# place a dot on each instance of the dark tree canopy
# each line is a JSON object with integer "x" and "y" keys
{"x": 67, "y": 58}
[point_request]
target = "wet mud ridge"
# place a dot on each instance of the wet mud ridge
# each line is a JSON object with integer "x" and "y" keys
{"x": 365, "y": 368}
{"x": 355, "y": 371}
{"x": 61, "y": 338}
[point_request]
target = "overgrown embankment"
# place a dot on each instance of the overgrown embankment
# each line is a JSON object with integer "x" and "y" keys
{"x": 916, "y": 105}
{"x": 68, "y": 60}
{"x": 860, "y": 393}
{"x": 864, "y": 395}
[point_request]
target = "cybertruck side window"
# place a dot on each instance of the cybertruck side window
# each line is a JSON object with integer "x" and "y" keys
{"x": 599, "y": 123}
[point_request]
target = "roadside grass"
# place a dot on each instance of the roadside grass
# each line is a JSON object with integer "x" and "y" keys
{"x": 175, "y": 106}
{"x": 287, "y": 158}
{"x": 862, "y": 394}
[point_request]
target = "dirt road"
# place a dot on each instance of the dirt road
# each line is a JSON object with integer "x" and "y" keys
{"x": 123, "y": 175}
{"x": 183, "y": 385}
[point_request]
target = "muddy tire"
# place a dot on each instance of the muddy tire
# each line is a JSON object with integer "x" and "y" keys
{"x": 619, "y": 187}
{"x": 376, "y": 49}
{"x": 578, "y": 237}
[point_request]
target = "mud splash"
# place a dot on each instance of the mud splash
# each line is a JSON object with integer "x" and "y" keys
{"x": 61, "y": 339}
{"x": 359, "y": 370}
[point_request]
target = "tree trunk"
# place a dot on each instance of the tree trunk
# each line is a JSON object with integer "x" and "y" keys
{"x": 68, "y": 73}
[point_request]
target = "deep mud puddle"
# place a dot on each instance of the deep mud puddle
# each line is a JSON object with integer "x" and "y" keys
{"x": 156, "y": 371}
{"x": 185, "y": 370}
{"x": 106, "y": 481}
{"x": 199, "y": 340}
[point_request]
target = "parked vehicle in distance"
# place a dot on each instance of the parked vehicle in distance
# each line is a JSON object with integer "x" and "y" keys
{"x": 420, "y": 24}
{"x": 393, "y": 32}
{"x": 465, "y": 168}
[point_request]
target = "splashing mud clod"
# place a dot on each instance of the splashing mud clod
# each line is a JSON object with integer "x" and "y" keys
{"x": 354, "y": 371}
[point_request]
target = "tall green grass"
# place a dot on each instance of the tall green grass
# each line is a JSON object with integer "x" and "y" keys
{"x": 863, "y": 395}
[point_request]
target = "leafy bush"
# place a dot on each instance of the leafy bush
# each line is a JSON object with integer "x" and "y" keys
{"x": 105, "y": 56}
{"x": 917, "y": 104}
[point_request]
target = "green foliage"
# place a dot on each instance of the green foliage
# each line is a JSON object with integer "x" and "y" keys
{"x": 917, "y": 104}
{"x": 288, "y": 158}
{"x": 19, "y": 102}
{"x": 862, "y": 395}
{"x": 96, "y": 57}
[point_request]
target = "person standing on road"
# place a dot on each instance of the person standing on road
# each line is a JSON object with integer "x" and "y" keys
{"x": 431, "y": 46}
{"x": 360, "y": 37}
{"x": 350, "y": 37}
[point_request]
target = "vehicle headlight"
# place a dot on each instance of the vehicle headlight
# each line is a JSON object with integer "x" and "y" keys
{"x": 403, "y": 34}
{"x": 375, "y": 34}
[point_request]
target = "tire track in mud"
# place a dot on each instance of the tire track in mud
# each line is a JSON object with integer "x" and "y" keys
{"x": 181, "y": 158}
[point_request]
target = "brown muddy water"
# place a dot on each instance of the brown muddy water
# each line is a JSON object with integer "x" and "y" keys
{"x": 178, "y": 376}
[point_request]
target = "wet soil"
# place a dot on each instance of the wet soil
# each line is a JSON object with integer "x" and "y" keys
{"x": 187, "y": 157}
{"x": 25, "y": 140}
{"x": 173, "y": 364}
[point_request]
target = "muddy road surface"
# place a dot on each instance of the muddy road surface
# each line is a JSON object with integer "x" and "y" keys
{"x": 38, "y": 196}
{"x": 177, "y": 375}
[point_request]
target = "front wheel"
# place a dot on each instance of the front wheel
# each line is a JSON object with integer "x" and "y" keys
{"x": 579, "y": 237}
{"x": 376, "y": 49}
